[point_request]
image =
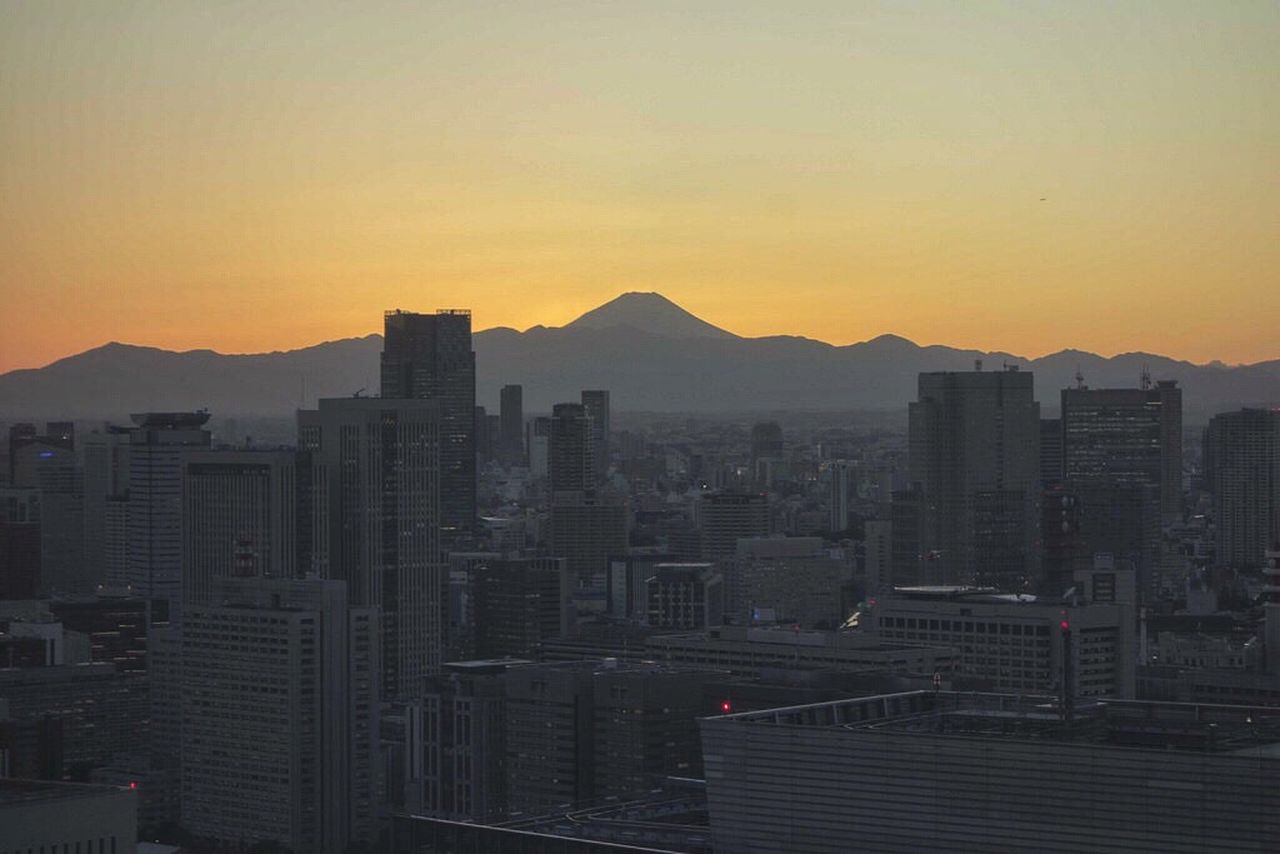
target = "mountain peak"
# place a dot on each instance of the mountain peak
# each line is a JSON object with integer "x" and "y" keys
{"x": 649, "y": 312}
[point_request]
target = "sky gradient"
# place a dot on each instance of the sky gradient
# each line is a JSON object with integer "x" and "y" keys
{"x": 1015, "y": 176}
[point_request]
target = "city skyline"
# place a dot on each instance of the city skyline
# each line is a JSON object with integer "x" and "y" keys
{"x": 188, "y": 177}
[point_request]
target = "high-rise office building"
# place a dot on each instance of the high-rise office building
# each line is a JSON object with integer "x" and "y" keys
{"x": 1125, "y": 437}
{"x": 377, "y": 487}
{"x": 1122, "y": 460}
{"x": 511, "y": 413}
{"x": 49, "y": 465}
{"x": 19, "y": 543}
{"x": 726, "y": 517}
{"x": 280, "y": 715}
{"x": 975, "y": 455}
{"x": 1011, "y": 643}
{"x": 596, "y": 404}
{"x": 1242, "y": 470}
{"x": 485, "y": 432}
{"x": 842, "y": 477}
{"x": 684, "y": 596}
{"x": 517, "y": 603}
{"x": 539, "y": 446}
{"x": 429, "y": 356}
{"x": 104, "y": 462}
{"x": 463, "y": 767}
{"x": 571, "y": 454}
{"x": 1050, "y": 452}
{"x": 245, "y": 514}
{"x": 157, "y": 446}
{"x": 581, "y": 730}
{"x": 586, "y": 530}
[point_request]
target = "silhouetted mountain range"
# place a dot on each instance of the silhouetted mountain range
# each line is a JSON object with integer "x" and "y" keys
{"x": 652, "y": 354}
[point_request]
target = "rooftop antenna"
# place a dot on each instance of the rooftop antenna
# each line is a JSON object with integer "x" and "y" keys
{"x": 977, "y": 365}
{"x": 359, "y": 394}
{"x": 1079, "y": 378}
{"x": 1144, "y": 379}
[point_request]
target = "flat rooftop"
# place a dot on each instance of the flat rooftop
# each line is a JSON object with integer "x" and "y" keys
{"x": 1113, "y": 723}
{"x": 31, "y": 791}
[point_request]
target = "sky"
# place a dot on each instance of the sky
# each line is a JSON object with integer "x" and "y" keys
{"x": 1019, "y": 176}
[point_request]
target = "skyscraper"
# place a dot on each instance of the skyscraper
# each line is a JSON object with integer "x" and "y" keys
{"x": 377, "y": 483}
{"x": 1122, "y": 460}
{"x": 975, "y": 453}
{"x": 245, "y": 514}
{"x": 104, "y": 462}
{"x": 726, "y": 517}
{"x": 49, "y": 465}
{"x": 429, "y": 356}
{"x": 1125, "y": 437}
{"x": 279, "y": 715}
{"x": 157, "y": 446}
{"x": 586, "y": 530}
{"x": 596, "y": 404}
{"x": 571, "y": 453}
{"x": 1242, "y": 470}
{"x": 511, "y": 411}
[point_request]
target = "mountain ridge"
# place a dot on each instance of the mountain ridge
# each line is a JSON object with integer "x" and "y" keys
{"x": 652, "y": 354}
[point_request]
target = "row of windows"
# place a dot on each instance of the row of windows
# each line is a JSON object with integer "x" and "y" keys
{"x": 991, "y": 628}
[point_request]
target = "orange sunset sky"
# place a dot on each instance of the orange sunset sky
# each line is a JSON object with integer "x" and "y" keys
{"x": 1018, "y": 176}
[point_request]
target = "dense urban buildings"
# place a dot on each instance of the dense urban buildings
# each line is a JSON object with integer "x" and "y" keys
{"x": 315, "y": 642}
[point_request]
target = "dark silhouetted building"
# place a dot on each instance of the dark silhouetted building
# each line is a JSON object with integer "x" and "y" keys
{"x": 377, "y": 497}
{"x": 685, "y": 596}
{"x": 157, "y": 447}
{"x": 517, "y": 603}
{"x": 596, "y": 404}
{"x": 19, "y": 543}
{"x": 1125, "y": 437}
{"x": 429, "y": 356}
{"x": 726, "y": 517}
{"x": 571, "y": 458}
{"x": 975, "y": 455}
{"x": 586, "y": 530}
{"x": 280, "y": 715}
{"x": 511, "y": 413}
{"x": 941, "y": 770}
{"x": 1242, "y": 470}
{"x": 245, "y": 514}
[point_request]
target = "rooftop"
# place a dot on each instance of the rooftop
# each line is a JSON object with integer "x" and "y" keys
{"x": 30, "y": 791}
{"x": 1112, "y": 723}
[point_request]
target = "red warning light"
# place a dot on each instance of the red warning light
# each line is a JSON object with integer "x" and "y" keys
{"x": 726, "y": 707}
{"x": 133, "y": 784}
{"x": 1064, "y": 625}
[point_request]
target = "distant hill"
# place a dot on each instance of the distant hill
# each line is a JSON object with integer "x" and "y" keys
{"x": 652, "y": 354}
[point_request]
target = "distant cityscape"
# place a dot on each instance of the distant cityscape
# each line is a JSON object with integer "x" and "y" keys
{"x": 1007, "y": 618}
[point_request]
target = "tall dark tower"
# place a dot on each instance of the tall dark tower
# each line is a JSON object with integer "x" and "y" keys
{"x": 596, "y": 404}
{"x": 511, "y": 448}
{"x": 571, "y": 462}
{"x": 975, "y": 457}
{"x": 429, "y": 356}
